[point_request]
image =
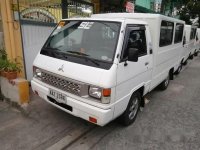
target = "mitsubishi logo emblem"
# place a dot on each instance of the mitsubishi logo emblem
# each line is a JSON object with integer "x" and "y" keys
{"x": 61, "y": 68}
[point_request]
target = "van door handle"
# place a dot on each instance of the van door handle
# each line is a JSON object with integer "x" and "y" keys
{"x": 146, "y": 63}
{"x": 151, "y": 51}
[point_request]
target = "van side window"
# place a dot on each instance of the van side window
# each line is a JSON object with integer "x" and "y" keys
{"x": 192, "y": 33}
{"x": 184, "y": 40}
{"x": 136, "y": 39}
{"x": 166, "y": 33}
{"x": 197, "y": 37}
{"x": 178, "y": 33}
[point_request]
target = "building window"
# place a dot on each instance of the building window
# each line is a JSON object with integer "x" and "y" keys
{"x": 178, "y": 33}
{"x": 166, "y": 33}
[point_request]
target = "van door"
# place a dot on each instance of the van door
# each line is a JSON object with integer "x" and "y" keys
{"x": 133, "y": 75}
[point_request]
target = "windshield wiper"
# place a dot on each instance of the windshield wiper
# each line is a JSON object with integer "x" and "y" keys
{"x": 87, "y": 57}
{"x": 92, "y": 60}
{"x": 78, "y": 53}
{"x": 56, "y": 52}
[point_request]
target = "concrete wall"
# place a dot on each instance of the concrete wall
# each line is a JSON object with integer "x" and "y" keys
{"x": 16, "y": 90}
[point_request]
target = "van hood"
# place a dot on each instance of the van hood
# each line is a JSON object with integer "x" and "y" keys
{"x": 82, "y": 73}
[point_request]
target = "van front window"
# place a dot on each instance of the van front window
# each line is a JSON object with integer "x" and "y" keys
{"x": 87, "y": 40}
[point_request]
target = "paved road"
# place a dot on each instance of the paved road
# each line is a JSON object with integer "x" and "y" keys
{"x": 170, "y": 121}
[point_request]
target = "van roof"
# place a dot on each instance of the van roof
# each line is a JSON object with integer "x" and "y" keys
{"x": 135, "y": 16}
{"x": 187, "y": 25}
{"x": 190, "y": 26}
{"x": 89, "y": 18}
{"x": 108, "y": 19}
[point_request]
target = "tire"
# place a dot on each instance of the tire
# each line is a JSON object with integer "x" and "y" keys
{"x": 130, "y": 114}
{"x": 163, "y": 86}
{"x": 179, "y": 69}
{"x": 191, "y": 56}
{"x": 185, "y": 62}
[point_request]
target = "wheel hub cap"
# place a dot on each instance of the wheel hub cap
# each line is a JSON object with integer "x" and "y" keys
{"x": 133, "y": 109}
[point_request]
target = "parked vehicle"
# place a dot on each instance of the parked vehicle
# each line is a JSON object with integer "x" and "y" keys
{"x": 100, "y": 68}
{"x": 187, "y": 44}
{"x": 190, "y": 40}
{"x": 197, "y": 41}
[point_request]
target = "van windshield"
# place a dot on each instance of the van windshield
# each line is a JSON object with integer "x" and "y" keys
{"x": 94, "y": 40}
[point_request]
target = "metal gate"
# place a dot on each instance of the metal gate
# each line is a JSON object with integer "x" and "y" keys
{"x": 38, "y": 18}
{"x": 34, "y": 36}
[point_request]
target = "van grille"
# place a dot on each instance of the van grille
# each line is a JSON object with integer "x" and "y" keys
{"x": 61, "y": 83}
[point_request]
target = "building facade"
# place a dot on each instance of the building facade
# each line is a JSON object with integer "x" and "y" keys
{"x": 149, "y": 4}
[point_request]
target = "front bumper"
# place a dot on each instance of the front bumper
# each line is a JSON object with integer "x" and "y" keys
{"x": 76, "y": 107}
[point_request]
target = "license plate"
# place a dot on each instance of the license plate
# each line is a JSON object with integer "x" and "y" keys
{"x": 61, "y": 98}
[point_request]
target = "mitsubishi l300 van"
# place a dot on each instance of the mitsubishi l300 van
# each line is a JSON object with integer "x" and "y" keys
{"x": 100, "y": 68}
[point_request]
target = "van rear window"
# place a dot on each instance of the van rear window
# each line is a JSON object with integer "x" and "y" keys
{"x": 166, "y": 33}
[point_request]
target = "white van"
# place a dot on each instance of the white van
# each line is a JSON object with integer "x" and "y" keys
{"x": 190, "y": 32}
{"x": 197, "y": 41}
{"x": 100, "y": 68}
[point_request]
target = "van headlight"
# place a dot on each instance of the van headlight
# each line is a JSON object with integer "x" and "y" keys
{"x": 95, "y": 92}
{"x": 101, "y": 94}
{"x": 37, "y": 73}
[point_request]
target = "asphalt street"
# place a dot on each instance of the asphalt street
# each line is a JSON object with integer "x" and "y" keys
{"x": 169, "y": 121}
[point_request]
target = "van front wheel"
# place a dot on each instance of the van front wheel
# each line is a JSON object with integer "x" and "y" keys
{"x": 130, "y": 114}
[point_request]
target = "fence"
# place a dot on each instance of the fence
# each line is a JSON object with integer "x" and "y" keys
{"x": 52, "y": 10}
{"x": 79, "y": 8}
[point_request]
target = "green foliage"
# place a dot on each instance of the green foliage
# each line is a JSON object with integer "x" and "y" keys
{"x": 189, "y": 9}
{"x": 8, "y": 65}
{"x": 3, "y": 54}
{"x": 13, "y": 67}
{"x": 3, "y": 64}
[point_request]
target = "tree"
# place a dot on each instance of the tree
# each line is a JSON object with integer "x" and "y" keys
{"x": 189, "y": 9}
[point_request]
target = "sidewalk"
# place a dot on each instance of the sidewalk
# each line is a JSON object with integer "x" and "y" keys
{"x": 40, "y": 128}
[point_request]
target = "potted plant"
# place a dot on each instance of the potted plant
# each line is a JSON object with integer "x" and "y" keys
{"x": 3, "y": 65}
{"x": 11, "y": 69}
{"x": 8, "y": 69}
{"x": 3, "y": 60}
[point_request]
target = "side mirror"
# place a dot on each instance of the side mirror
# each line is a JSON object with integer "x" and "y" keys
{"x": 133, "y": 54}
